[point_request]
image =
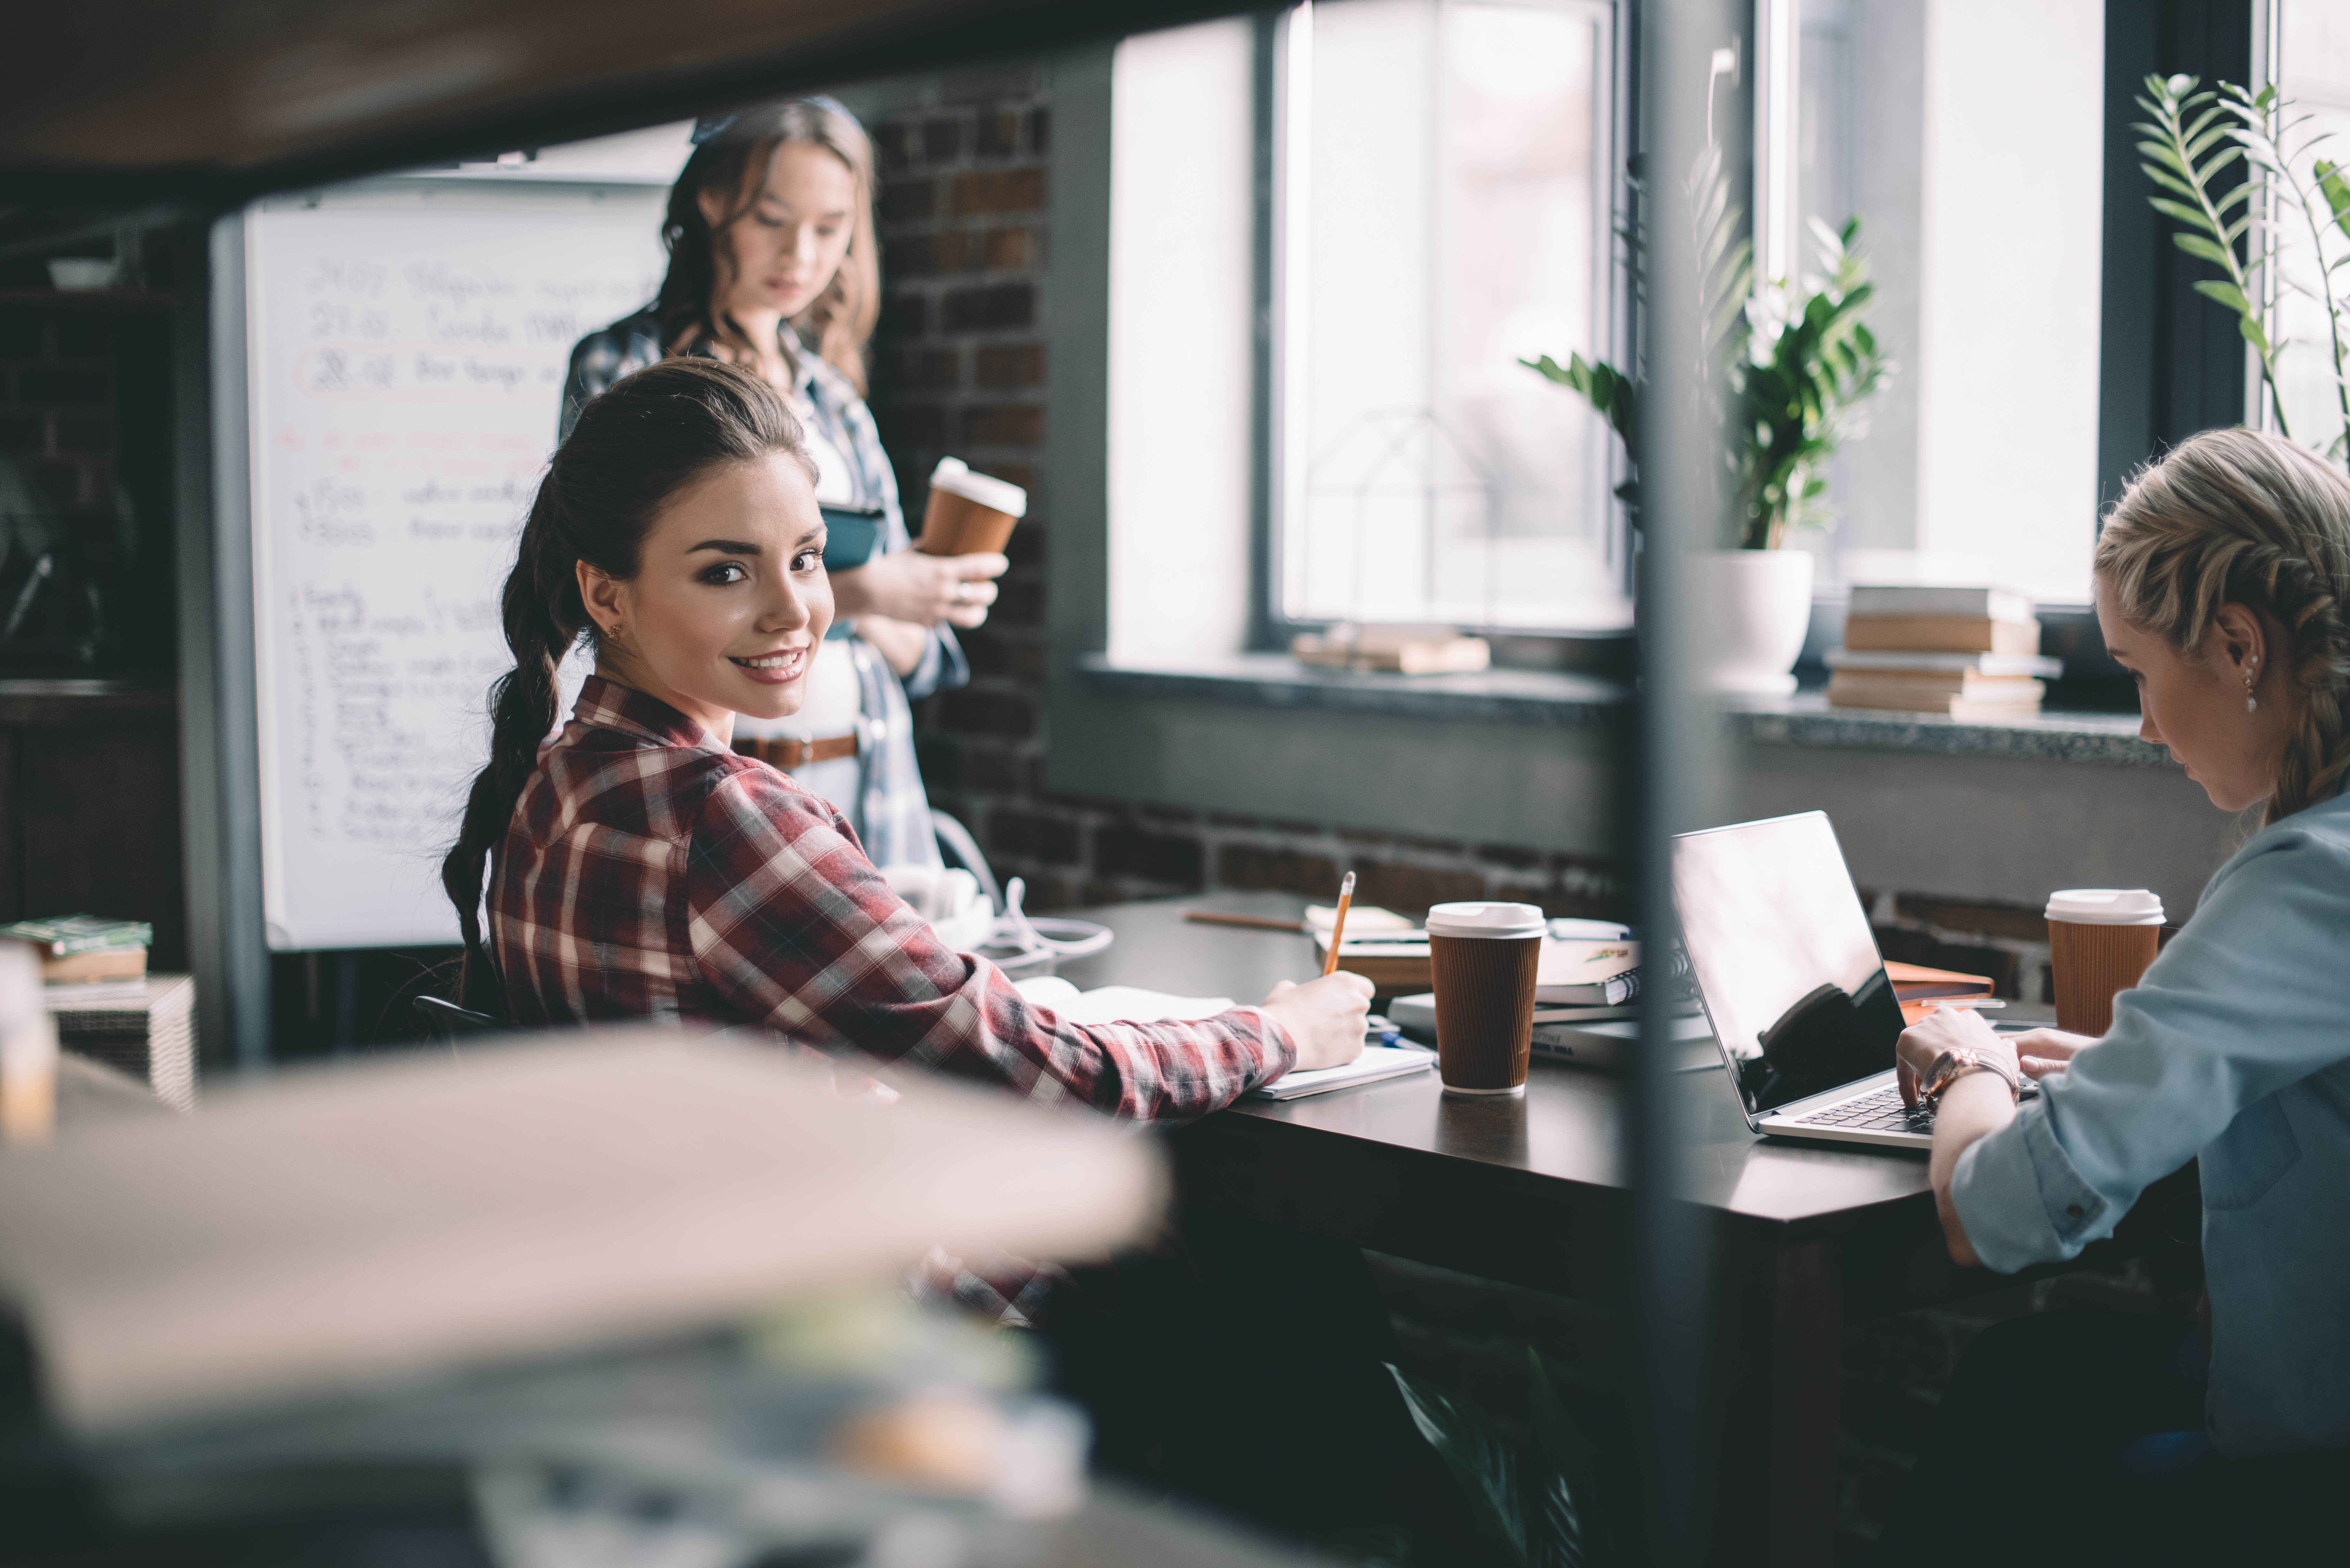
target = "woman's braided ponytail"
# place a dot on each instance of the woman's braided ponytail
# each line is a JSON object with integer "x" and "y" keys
{"x": 2237, "y": 516}
{"x": 649, "y": 436}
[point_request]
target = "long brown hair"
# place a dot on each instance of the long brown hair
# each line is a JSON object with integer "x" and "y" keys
{"x": 2238, "y": 517}
{"x": 733, "y": 162}
{"x": 648, "y": 437}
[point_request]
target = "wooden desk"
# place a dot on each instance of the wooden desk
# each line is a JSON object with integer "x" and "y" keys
{"x": 1803, "y": 1237}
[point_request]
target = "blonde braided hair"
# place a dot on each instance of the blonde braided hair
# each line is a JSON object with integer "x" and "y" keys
{"x": 2240, "y": 517}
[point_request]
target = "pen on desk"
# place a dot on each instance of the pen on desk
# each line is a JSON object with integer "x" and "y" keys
{"x": 1253, "y": 922}
{"x": 1338, "y": 926}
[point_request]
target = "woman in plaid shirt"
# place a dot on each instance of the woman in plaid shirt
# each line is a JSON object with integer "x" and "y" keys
{"x": 640, "y": 868}
{"x": 772, "y": 267}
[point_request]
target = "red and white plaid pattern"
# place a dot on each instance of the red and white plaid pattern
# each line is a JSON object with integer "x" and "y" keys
{"x": 650, "y": 872}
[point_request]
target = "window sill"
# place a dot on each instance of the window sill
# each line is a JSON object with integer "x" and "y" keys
{"x": 1554, "y": 700}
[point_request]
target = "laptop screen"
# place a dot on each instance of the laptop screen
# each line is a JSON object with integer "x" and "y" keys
{"x": 1783, "y": 958}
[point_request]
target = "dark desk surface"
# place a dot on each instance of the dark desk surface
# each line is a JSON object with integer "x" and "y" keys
{"x": 1564, "y": 1127}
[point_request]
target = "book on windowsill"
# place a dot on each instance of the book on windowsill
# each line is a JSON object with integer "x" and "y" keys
{"x": 66, "y": 935}
{"x": 1868, "y": 688}
{"x": 1392, "y": 649}
{"x": 1923, "y": 599}
{"x": 1939, "y": 634}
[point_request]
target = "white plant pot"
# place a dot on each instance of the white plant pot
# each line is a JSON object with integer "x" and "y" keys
{"x": 1753, "y": 607}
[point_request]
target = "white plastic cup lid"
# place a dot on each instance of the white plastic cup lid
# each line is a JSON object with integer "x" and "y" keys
{"x": 953, "y": 477}
{"x": 1491, "y": 922}
{"x": 2106, "y": 906}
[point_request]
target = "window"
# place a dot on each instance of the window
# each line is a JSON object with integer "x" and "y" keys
{"x": 2310, "y": 45}
{"x": 1979, "y": 463}
{"x": 1332, "y": 238}
{"x": 1443, "y": 213}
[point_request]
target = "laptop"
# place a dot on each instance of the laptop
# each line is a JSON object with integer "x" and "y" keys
{"x": 1789, "y": 975}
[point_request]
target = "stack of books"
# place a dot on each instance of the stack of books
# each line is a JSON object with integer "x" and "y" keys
{"x": 86, "y": 958}
{"x": 1971, "y": 654}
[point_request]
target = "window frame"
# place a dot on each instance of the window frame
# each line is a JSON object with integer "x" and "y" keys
{"x": 1273, "y": 86}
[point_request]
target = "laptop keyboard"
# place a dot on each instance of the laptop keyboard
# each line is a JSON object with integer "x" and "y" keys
{"x": 1880, "y": 1112}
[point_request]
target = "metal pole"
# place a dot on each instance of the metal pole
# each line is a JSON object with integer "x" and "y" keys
{"x": 1685, "y": 47}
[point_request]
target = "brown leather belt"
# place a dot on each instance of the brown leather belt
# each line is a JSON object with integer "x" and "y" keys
{"x": 787, "y": 752}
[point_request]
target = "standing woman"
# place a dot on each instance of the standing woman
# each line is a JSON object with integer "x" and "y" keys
{"x": 774, "y": 267}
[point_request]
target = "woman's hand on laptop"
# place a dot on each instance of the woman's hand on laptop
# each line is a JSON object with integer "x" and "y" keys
{"x": 1324, "y": 1018}
{"x": 2040, "y": 1052}
{"x": 1946, "y": 1029}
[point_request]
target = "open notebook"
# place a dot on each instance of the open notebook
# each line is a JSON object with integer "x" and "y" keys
{"x": 1131, "y": 1004}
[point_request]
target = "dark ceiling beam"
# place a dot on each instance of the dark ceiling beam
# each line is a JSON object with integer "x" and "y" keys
{"x": 202, "y": 105}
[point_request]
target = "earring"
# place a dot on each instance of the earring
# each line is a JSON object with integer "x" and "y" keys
{"x": 2251, "y": 703}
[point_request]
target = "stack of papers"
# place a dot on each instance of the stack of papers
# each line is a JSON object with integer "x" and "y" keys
{"x": 1131, "y": 1004}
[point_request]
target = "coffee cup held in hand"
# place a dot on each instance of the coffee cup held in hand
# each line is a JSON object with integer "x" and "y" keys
{"x": 2100, "y": 941}
{"x": 969, "y": 514}
{"x": 1482, "y": 958}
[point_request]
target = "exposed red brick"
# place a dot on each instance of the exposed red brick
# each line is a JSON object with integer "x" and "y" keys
{"x": 1414, "y": 888}
{"x": 996, "y": 306}
{"x": 999, "y": 134}
{"x": 989, "y": 86}
{"x": 942, "y": 140}
{"x": 984, "y": 191}
{"x": 1010, "y": 364}
{"x": 904, "y": 200}
{"x": 1169, "y": 858}
{"x": 1000, "y": 770}
{"x": 1006, "y": 715}
{"x": 903, "y": 315}
{"x": 1019, "y": 601}
{"x": 993, "y": 654}
{"x": 942, "y": 369}
{"x": 1040, "y": 128}
{"x": 921, "y": 428}
{"x": 1035, "y": 835}
{"x": 1509, "y": 855}
{"x": 1019, "y": 424}
{"x": 896, "y": 145}
{"x": 1008, "y": 250}
{"x": 1256, "y": 868}
{"x": 2017, "y": 922}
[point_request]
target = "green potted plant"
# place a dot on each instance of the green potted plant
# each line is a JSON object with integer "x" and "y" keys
{"x": 1789, "y": 365}
{"x": 2194, "y": 138}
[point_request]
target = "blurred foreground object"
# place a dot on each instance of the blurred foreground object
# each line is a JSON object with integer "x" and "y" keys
{"x": 325, "y": 1232}
{"x": 28, "y": 1049}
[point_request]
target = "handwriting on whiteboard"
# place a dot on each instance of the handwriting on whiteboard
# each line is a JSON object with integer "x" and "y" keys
{"x": 408, "y": 372}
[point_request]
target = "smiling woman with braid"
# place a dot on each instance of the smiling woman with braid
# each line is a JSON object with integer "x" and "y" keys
{"x": 2223, "y": 587}
{"x": 640, "y": 868}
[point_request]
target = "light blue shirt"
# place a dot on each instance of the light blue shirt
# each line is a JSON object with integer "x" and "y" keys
{"x": 2234, "y": 1049}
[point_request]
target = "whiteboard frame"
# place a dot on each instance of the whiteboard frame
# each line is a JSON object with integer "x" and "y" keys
{"x": 230, "y": 784}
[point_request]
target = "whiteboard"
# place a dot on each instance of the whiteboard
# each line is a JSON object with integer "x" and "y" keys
{"x": 406, "y": 345}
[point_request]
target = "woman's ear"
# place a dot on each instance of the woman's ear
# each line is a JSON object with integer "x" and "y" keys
{"x": 605, "y": 598}
{"x": 2241, "y": 637}
{"x": 712, "y": 205}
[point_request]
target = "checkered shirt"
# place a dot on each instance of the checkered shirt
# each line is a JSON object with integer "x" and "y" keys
{"x": 892, "y": 814}
{"x": 650, "y": 872}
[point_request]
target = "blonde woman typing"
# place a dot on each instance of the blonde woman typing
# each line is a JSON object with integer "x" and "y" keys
{"x": 2224, "y": 586}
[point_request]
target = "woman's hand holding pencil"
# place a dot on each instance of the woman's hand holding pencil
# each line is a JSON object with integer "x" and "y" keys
{"x": 1325, "y": 1018}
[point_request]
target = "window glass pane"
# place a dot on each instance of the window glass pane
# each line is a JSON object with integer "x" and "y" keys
{"x": 2314, "y": 73}
{"x": 1454, "y": 213}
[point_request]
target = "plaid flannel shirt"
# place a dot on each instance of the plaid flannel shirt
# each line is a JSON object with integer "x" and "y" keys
{"x": 650, "y": 872}
{"x": 893, "y": 814}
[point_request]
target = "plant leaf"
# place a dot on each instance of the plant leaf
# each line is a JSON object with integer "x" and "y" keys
{"x": 1480, "y": 1460}
{"x": 2203, "y": 249}
{"x": 2227, "y": 294}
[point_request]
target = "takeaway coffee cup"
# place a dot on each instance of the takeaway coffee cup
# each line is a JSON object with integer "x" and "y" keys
{"x": 1482, "y": 958}
{"x": 969, "y": 513}
{"x": 2100, "y": 941}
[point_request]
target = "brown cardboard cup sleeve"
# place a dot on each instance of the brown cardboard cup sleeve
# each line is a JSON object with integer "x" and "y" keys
{"x": 969, "y": 514}
{"x": 1482, "y": 958}
{"x": 2100, "y": 942}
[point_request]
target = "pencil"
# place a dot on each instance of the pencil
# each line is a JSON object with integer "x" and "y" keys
{"x": 1253, "y": 922}
{"x": 1338, "y": 926}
